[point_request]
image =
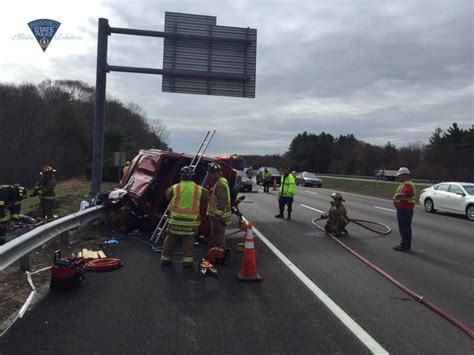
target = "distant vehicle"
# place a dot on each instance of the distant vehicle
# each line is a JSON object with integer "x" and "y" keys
{"x": 386, "y": 175}
{"x": 245, "y": 183}
{"x": 308, "y": 179}
{"x": 276, "y": 175}
{"x": 455, "y": 197}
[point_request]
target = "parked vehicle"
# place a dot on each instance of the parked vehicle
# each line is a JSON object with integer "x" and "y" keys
{"x": 386, "y": 175}
{"x": 245, "y": 183}
{"x": 276, "y": 175}
{"x": 455, "y": 197}
{"x": 152, "y": 171}
{"x": 308, "y": 179}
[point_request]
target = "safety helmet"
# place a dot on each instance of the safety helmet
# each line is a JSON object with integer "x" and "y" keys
{"x": 214, "y": 168}
{"x": 337, "y": 196}
{"x": 187, "y": 171}
{"x": 48, "y": 169}
{"x": 20, "y": 192}
{"x": 403, "y": 171}
{"x": 127, "y": 163}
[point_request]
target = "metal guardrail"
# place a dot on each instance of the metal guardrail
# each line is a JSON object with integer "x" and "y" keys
{"x": 421, "y": 181}
{"x": 23, "y": 245}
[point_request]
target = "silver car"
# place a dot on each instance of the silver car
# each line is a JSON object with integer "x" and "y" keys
{"x": 455, "y": 197}
{"x": 308, "y": 179}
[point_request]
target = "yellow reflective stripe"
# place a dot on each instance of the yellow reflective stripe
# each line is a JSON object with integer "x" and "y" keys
{"x": 165, "y": 258}
{"x": 15, "y": 216}
{"x": 187, "y": 259}
{"x": 2, "y": 203}
{"x": 4, "y": 219}
{"x": 183, "y": 223}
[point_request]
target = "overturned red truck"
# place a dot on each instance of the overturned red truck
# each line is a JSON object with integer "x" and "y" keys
{"x": 153, "y": 171}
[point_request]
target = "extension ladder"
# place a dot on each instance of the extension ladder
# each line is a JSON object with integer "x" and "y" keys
{"x": 159, "y": 232}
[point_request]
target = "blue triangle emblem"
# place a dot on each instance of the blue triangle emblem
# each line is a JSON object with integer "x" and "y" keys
{"x": 44, "y": 31}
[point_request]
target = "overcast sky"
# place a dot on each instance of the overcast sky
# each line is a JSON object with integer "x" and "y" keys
{"x": 381, "y": 70}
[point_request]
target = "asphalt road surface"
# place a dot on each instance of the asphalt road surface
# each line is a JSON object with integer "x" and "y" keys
{"x": 315, "y": 297}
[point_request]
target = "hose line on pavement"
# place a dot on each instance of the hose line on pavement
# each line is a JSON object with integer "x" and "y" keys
{"x": 363, "y": 223}
{"x": 465, "y": 328}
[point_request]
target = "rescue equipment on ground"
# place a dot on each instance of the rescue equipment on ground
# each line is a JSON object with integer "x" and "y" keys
{"x": 219, "y": 255}
{"x": 248, "y": 271}
{"x": 207, "y": 268}
{"x": 66, "y": 273}
{"x": 105, "y": 264}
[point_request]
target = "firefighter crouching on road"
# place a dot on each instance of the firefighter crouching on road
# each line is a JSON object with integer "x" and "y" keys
{"x": 218, "y": 208}
{"x": 337, "y": 215}
{"x": 44, "y": 189}
{"x": 10, "y": 199}
{"x": 184, "y": 219}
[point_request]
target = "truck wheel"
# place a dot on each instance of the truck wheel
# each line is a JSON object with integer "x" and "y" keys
{"x": 470, "y": 212}
{"x": 429, "y": 205}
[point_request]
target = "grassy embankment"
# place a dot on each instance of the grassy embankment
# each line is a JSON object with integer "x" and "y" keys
{"x": 367, "y": 188}
{"x": 69, "y": 195}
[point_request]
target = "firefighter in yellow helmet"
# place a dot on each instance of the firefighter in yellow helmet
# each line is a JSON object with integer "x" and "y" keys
{"x": 125, "y": 167}
{"x": 219, "y": 207}
{"x": 184, "y": 217}
{"x": 10, "y": 199}
{"x": 337, "y": 215}
{"x": 44, "y": 189}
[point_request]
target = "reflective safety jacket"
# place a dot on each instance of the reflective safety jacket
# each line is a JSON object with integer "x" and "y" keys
{"x": 184, "y": 207}
{"x": 267, "y": 176}
{"x": 8, "y": 200}
{"x": 287, "y": 186}
{"x": 219, "y": 201}
{"x": 407, "y": 188}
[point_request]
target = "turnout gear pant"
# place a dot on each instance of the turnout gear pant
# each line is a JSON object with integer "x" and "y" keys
{"x": 404, "y": 217}
{"x": 3, "y": 230}
{"x": 288, "y": 201}
{"x": 46, "y": 207}
{"x": 217, "y": 233}
{"x": 170, "y": 243}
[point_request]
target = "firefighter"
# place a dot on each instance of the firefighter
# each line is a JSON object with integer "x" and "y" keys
{"x": 219, "y": 207}
{"x": 10, "y": 199}
{"x": 337, "y": 215}
{"x": 125, "y": 167}
{"x": 267, "y": 179}
{"x": 44, "y": 189}
{"x": 184, "y": 218}
{"x": 286, "y": 193}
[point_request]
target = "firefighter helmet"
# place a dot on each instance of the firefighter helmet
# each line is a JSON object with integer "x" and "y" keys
{"x": 403, "y": 171}
{"x": 20, "y": 192}
{"x": 48, "y": 169}
{"x": 337, "y": 196}
{"x": 214, "y": 168}
{"x": 186, "y": 171}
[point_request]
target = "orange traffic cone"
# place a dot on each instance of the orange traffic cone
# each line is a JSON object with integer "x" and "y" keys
{"x": 248, "y": 271}
{"x": 274, "y": 185}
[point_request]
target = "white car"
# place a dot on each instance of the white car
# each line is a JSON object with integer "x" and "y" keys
{"x": 455, "y": 197}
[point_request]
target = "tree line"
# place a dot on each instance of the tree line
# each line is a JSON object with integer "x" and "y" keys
{"x": 52, "y": 123}
{"x": 449, "y": 155}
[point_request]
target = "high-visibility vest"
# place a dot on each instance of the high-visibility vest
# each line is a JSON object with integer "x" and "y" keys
{"x": 212, "y": 205}
{"x": 287, "y": 186}
{"x": 411, "y": 199}
{"x": 184, "y": 208}
{"x": 267, "y": 176}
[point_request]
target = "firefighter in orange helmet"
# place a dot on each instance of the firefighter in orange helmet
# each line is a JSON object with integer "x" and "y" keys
{"x": 44, "y": 189}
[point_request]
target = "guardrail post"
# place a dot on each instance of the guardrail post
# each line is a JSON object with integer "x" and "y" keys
{"x": 64, "y": 238}
{"x": 25, "y": 262}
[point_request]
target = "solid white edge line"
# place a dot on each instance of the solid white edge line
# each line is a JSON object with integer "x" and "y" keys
{"x": 386, "y": 209}
{"x": 311, "y": 192}
{"x": 311, "y": 208}
{"x": 355, "y": 328}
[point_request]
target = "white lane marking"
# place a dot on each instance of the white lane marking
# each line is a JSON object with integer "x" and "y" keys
{"x": 311, "y": 192}
{"x": 311, "y": 208}
{"x": 355, "y": 328}
{"x": 386, "y": 209}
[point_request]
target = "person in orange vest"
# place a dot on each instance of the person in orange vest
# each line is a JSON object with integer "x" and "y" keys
{"x": 184, "y": 218}
{"x": 219, "y": 207}
{"x": 404, "y": 201}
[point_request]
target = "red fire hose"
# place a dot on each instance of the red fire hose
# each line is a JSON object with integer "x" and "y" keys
{"x": 465, "y": 328}
{"x": 103, "y": 264}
